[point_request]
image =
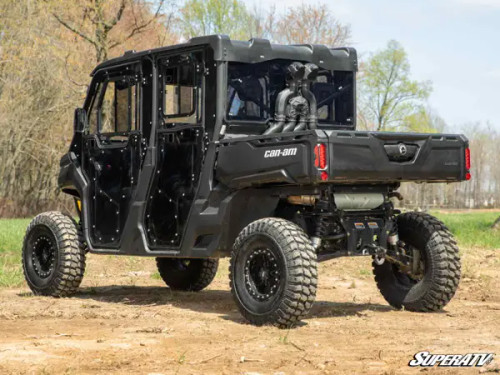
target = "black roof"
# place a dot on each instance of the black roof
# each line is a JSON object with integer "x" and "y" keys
{"x": 256, "y": 50}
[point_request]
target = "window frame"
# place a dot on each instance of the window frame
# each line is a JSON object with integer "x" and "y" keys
{"x": 198, "y": 64}
{"x": 98, "y": 90}
{"x": 131, "y": 102}
{"x": 257, "y": 126}
{"x": 194, "y": 97}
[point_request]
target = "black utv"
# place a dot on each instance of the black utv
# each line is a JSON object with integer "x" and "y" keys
{"x": 249, "y": 150}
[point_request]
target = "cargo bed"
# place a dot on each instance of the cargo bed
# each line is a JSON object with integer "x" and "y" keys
{"x": 347, "y": 157}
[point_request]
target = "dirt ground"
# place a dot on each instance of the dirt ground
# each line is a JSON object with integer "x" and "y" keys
{"x": 124, "y": 321}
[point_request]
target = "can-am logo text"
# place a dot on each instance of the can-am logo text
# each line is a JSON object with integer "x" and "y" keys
{"x": 426, "y": 359}
{"x": 283, "y": 152}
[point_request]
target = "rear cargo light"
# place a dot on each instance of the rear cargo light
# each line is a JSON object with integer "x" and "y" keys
{"x": 320, "y": 156}
{"x": 467, "y": 158}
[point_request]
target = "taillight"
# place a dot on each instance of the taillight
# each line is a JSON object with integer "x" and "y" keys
{"x": 467, "y": 164}
{"x": 320, "y": 156}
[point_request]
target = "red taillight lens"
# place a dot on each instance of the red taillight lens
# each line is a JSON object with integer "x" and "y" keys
{"x": 467, "y": 158}
{"x": 468, "y": 176}
{"x": 320, "y": 156}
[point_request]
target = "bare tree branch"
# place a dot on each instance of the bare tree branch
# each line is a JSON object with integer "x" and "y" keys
{"x": 139, "y": 28}
{"x": 118, "y": 17}
{"x": 72, "y": 29}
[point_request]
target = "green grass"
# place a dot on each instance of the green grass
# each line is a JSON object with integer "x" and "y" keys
{"x": 11, "y": 239}
{"x": 472, "y": 228}
{"x": 155, "y": 276}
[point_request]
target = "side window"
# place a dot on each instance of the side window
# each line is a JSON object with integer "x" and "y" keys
{"x": 115, "y": 106}
{"x": 118, "y": 110}
{"x": 181, "y": 89}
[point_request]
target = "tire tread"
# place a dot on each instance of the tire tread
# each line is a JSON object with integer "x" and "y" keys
{"x": 446, "y": 260}
{"x": 71, "y": 253}
{"x": 300, "y": 258}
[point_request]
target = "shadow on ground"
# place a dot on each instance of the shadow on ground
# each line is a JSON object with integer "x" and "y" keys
{"x": 210, "y": 301}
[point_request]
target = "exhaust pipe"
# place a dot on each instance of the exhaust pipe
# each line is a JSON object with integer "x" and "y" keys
{"x": 310, "y": 73}
{"x": 295, "y": 73}
{"x": 305, "y": 200}
{"x": 297, "y": 107}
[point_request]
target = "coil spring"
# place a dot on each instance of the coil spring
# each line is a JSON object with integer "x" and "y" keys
{"x": 322, "y": 226}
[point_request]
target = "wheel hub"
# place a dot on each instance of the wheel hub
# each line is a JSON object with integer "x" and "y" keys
{"x": 409, "y": 261}
{"x": 43, "y": 256}
{"x": 262, "y": 276}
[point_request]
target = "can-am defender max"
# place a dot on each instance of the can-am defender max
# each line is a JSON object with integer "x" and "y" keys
{"x": 217, "y": 148}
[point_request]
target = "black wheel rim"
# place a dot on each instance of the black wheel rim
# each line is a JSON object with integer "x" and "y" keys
{"x": 262, "y": 274}
{"x": 43, "y": 254}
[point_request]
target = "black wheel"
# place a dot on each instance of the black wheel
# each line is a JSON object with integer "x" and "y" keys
{"x": 187, "y": 274}
{"x": 53, "y": 257}
{"x": 429, "y": 277}
{"x": 273, "y": 272}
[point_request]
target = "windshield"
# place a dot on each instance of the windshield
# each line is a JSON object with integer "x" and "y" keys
{"x": 253, "y": 89}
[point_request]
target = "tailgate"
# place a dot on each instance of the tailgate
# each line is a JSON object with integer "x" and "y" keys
{"x": 381, "y": 156}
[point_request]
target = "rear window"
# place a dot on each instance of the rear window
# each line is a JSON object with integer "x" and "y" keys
{"x": 253, "y": 88}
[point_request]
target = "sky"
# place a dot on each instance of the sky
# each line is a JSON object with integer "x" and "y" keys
{"x": 453, "y": 43}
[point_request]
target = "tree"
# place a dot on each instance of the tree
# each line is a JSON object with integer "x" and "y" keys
{"x": 309, "y": 24}
{"x": 423, "y": 120}
{"x": 198, "y": 17}
{"x": 41, "y": 63}
{"x": 94, "y": 20}
{"x": 387, "y": 95}
{"x": 305, "y": 24}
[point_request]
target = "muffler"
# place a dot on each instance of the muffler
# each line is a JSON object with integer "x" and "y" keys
{"x": 358, "y": 201}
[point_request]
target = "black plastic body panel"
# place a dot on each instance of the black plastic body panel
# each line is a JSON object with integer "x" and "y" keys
{"x": 253, "y": 51}
{"x": 363, "y": 157}
{"x": 270, "y": 159}
{"x": 353, "y": 157}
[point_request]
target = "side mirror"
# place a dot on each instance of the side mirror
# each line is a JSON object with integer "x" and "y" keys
{"x": 80, "y": 123}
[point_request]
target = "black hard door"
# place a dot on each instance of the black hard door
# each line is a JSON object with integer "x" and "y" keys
{"x": 112, "y": 152}
{"x": 180, "y": 137}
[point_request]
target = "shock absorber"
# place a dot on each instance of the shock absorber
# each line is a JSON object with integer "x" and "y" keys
{"x": 321, "y": 231}
{"x": 393, "y": 238}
